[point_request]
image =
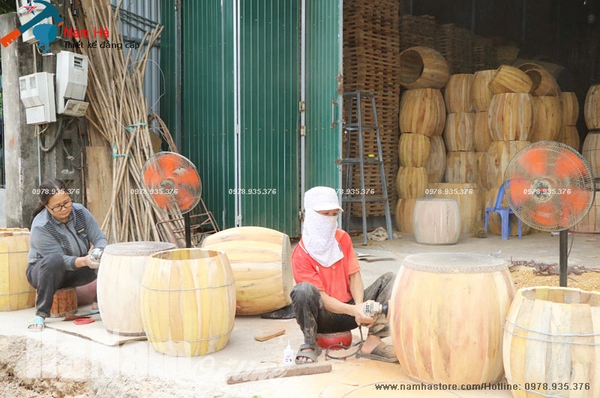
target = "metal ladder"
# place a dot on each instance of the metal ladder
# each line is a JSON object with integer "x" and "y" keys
{"x": 355, "y": 127}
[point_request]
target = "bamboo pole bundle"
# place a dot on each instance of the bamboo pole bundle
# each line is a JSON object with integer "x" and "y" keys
{"x": 118, "y": 111}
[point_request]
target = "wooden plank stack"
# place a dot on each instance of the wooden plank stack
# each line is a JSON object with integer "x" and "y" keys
{"x": 484, "y": 53}
{"x": 417, "y": 31}
{"x": 456, "y": 45}
{"x": 371, "y": 63}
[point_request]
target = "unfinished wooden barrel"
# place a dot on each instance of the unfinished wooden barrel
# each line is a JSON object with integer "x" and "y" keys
{"x": 570, "y": 136}
{"x": 543, "y": 83}
{"x": 458, "y": 133}
{"x": 591, "y": 108}
{"x": 482, "y": 173}
{"x": 510, "y": 117}
{"x": 188, "y": 301}
{"x": 591, "y": 222}
{"x": 413, "y": 150}
{"x": 446, "y": 317}
{"x": 461, "y": 167}
{"x": 547, "y": 119}
{"x": 15, "y": 291}
{"x": 480, "y": 90}
{"x": 591, "y": 151}
{"x": 570, "y": 108}
{"x": 437, "y": 159}
{"x": 119, "y": 283}
{"x": 500, "y": 154}
{"x": 457, "y": 93}
{"x": 550, "y": 346}
{"x": 405, "y": 209}
{"x": 423, "y": 67}
{"x": 468, "y": 198}
{"x": 261, "y": 262}
{"x": 509, "y": 79}
{"x": 482, "y": 139}
{"x": 422, "y": 111}
{"x": 411, "y": 182}
{"x": 436, "y": 221}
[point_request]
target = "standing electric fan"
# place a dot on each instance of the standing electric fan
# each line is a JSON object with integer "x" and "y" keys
{"x": 551, "y": 189}
{"x": 173, "y": 184}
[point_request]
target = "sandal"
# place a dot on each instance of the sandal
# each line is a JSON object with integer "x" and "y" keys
{"x": 38, "y": 320}
{"x": 383, "y": 353}
{"x": 312, "y": 355}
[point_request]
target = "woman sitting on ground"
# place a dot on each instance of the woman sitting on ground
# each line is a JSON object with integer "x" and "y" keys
{"x": 61, "y": 235}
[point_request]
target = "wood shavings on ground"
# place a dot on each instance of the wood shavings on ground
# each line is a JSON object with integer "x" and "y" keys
{"x": 529, "y": 273}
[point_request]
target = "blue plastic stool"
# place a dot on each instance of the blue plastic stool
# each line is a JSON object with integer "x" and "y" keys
{"x": 504, "y": 212}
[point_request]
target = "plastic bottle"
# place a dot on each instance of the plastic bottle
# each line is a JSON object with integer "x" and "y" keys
{"x": 288, "y": 355}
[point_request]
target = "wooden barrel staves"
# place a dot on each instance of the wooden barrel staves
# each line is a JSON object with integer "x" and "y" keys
{"x": 119, "y": 283}
{"x": 551, "y": 341}
{"x": 590, "y": 224}
{"x": 188, "y": 301}
{"x": 457, "y": 93}
{"x": 437, "y": 159}
{"x": 15, "y": 292}
{"x": 446, "y": 317}
{"x": 458, "y": 133}
{"x": 468, "y": 198}
{"x": 591, "y": 108}
{"x": 423, "y": 67}
{"x": 436, "y": 221}
{"x": 422, "y": 111}
{"x": 570, "y": 108}
{"x": 570, "y": 136}
{"x": 509, "y": 79}
{"x": 261, "y": 263}
{"x": 510, "y": 117}
{"x": 411, "y": 182}
{"x": 461, "y": 167}
{"x": 547, "y": 119}
{"x": 500, "y": 154}
{"x": 482, "y": 139}
{"x": 413, "y": 150}
{"x": 543, "y": 83}
{"x": 480, "y": 90}
{"x": 404, "y": 215}
{"x": 591, "y": 151}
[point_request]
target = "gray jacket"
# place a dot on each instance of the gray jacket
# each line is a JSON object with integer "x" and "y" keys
{"x": 70, "y": 240}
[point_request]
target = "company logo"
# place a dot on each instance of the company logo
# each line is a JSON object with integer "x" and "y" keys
{"x": 43, "y": 32}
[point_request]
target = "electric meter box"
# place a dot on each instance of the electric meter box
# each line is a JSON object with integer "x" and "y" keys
{"x": 37, "y": 95}
{"x": 71, "y": 83}
{"x": 25, "y": 17}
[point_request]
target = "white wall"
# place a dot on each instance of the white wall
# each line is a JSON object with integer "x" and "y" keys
{"x": 2, "y": 208}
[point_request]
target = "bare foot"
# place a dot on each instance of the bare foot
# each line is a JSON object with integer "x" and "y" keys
{"x": 94, "y": 306}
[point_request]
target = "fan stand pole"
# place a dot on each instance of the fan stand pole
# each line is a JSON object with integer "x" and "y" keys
{"x": 563, "y": 260}
{"x": 188, "y": 232}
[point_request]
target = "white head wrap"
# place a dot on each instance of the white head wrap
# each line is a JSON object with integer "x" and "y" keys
{"x": 318, "y": 233}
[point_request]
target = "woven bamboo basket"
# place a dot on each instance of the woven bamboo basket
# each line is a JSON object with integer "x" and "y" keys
{"x": 15, "y": 291}
{"x": 188, "y": 301}
{"x": 261, "y": 262}
{"x": 550, "y": 346}
{"x": 446, "y": 317}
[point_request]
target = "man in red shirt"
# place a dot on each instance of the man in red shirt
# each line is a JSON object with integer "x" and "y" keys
{"x": 329, "y": 294}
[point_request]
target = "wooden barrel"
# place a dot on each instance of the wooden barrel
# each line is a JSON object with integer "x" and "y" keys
{"x": 494, "y": 219}
{"x": 482, "y": 139}
{"x": 261, "y": 262}
{"x": 570, "y": 108}
{"x": 468, "y": 198}
{"x": 591, "y": 108}
{"x": 570, "y": 136}
{"x": 547, "y": 119}
{"x": 509, "y": 79}
{"x": 422, "y": 111}
{"x": 437, "y": 159}
{"x": 405, "y": 209}
{"x": 480, "y": 90}
{"x": 119, "y": 282}
{"x": 482, "y": 173}
{"x": 413, "y": 150}
{"x": 591, "y": 222}
{"x": 510, "y": 117}
{"x": 446, "y": 317}
{"x": 551, "y": 343}
{"x": 15, "y": 291}
{"x": 411, "y": 182}
{"x": 64, "y": 302}
{"x": 457, "y": 93}
{"x": 461, "y": 167}
{"x": 591, "y": 151}
{"x": 499, "y": 155}
{"x": 436, "y": 221}
{"x": 423, "y": 67}
{"x": 458, "y": 133}
{"x": 188, "y": 301}
{"x": 543, "y": 83}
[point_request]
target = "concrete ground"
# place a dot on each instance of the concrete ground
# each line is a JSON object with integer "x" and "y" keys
{"x": 56, "y": 364}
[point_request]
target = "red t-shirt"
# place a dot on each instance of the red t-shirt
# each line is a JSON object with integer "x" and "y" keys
{"x": 334, "y": 280}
